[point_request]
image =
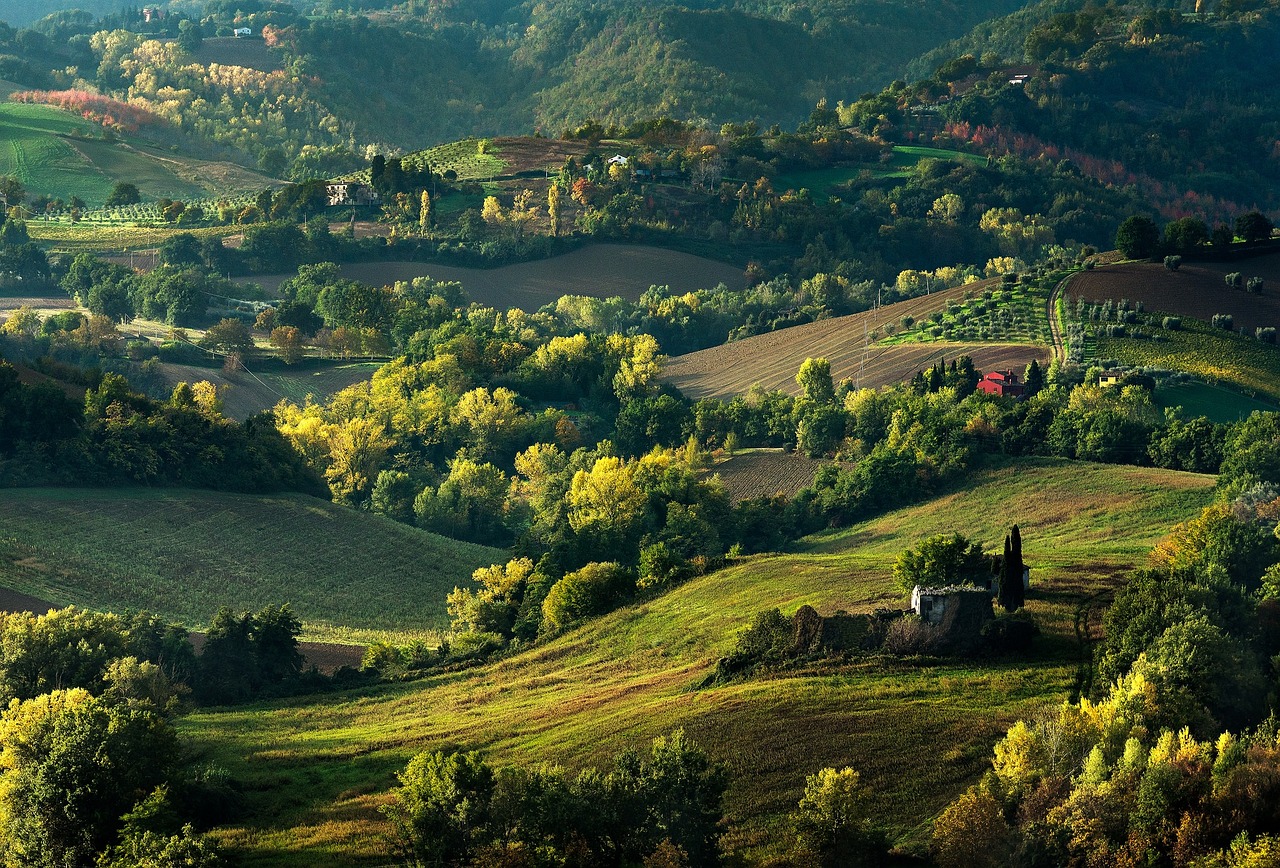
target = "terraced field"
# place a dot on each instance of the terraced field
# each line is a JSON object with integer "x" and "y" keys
{"x": 772, "y": 359}
{"x": 919, "y": 731}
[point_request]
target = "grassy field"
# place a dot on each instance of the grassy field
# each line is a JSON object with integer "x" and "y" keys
{"x": 919, "y": 731}
{"x": 905, "y": 158}
{"x": 1197, "y": 348}
{"x": 60, "y": 154}
{"x": 854, "y": 346}
{"x": 249, "y": 393}
{"x": 349, "y": 576}
{"x": 1214, "y": 402}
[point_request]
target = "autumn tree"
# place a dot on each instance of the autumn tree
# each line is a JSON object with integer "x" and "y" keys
{"x": 288, "y": 340}
{"x": 553, "y": 208}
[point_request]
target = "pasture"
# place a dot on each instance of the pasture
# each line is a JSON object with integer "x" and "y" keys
{"x": 600, "y": 270}
{"x": 919, "y": 730}
{"x": 60, "y": 154}
{"x": 851, "y": 343}
{"x": 350, "y": 576}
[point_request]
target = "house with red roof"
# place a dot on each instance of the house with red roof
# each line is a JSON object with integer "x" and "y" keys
{"x": 1002, "y": 383}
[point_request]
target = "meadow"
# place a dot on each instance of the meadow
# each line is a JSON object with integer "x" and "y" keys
{"x": 350, "y": 576}
{"x": 60, "y": 154}
{"x": 918, "y": 729}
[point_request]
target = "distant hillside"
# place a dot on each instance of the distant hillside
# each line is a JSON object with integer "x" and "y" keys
{"x": 350, "y": 576}
{"x": 21, "y": 13}
{"x": 918, "y": 732}
{"x": 517, "y": 66}
{"x": 851, "y": 343}
{"x": 1167, "y": 102}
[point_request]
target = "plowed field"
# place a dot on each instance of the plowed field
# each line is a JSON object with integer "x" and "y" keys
{"x": 601, "y": 270}
{"x": 773, "y": 359}
{"x": 765, "y": 473}
{"x": 1197, "y": 290}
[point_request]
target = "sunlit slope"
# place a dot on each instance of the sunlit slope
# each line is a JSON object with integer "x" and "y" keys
{"x": 348, "y": 575}
{"x": 850, "y": 343}
{"x": 317, "y": 769}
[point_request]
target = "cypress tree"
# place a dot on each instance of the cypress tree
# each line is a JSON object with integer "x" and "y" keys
{"x": 1019, "y": 595}
{"x": 1006, "y": 583}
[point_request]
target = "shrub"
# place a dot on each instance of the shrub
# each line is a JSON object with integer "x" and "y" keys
{"x": 592, "y": 590}
{"x": 1266, "y": 335}
{"x": 1254, "y": 285}
{"x": 1234, "y": 280}
{"x": 910, "y": 635}
{"x": 1010, "y": 632}
{"x": 1171, "y": 323}
{"x": 1223, "y": 321}
{"x": 1173, "y": 263}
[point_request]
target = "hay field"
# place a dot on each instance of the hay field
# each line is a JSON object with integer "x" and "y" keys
{"x": 773, "y": 359}
{"x": 316, "y": 769}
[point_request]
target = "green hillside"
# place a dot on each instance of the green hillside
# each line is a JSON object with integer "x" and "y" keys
{"x": 349, "y": 576}
{"x": 55, "y": 153}
{"x": 919, "y": 731}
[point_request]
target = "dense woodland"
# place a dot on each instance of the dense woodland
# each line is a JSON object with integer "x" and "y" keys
{"x": 550, "y": 435}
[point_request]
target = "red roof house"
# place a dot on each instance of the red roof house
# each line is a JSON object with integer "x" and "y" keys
{"x": 1002, "y": 383}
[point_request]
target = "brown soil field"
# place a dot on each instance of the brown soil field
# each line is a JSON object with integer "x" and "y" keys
{"x": 764, "y": 473}
{"x": 1195, "y": 290}
{"x": 525, "y": 154}
{"x": 773, "y": 359}
{"x": 601, "y": 270}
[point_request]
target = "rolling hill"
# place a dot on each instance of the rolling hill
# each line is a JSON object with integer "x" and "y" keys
{"x": 59, "y": 154}
{"x": 919, "y": 731}
{"x": 349, "y": 576}
{"x": 772, "y": 359}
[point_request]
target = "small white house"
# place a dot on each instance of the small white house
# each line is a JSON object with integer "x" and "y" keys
{"x": 242, "y": 32}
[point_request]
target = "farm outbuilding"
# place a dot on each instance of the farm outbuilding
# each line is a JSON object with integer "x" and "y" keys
{"x": 958, "y": 614}
{"x": 241, "y": 32}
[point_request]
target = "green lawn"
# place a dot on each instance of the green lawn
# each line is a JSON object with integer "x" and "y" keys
{"x": 1214, "y": 402}
{"x": 350, "y": 576}
{"x": 920, "y": 731}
